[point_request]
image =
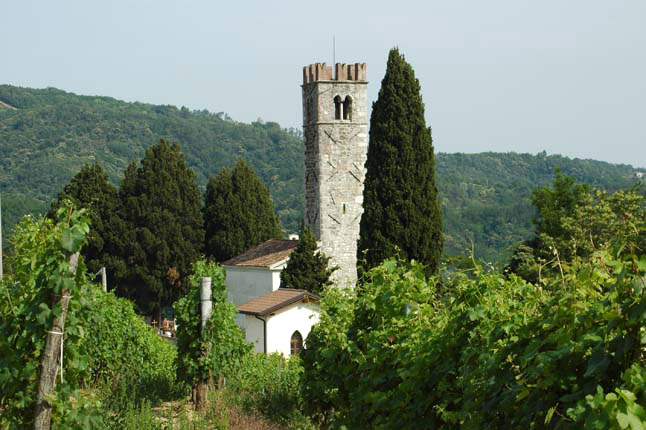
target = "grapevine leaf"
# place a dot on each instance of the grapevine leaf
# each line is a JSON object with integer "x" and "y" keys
{"x": 71, "y": 240}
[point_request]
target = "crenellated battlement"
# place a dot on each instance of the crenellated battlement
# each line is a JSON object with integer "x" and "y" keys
{"x": 343, "y": 72}
{"x": 351, "y": 72}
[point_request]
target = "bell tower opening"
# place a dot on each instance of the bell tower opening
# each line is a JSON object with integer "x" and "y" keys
{"x": 337, "y": 107}
{"x": 347, "y": 108}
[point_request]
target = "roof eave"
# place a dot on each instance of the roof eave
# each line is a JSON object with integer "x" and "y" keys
{"x": 284, "y": 304}
{"x": 279, "y": 264}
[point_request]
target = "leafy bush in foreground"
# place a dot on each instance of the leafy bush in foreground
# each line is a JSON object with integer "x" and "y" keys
{"x": 29, "y": 304}
{"x": 269, "y": 384}
{"x": 109, "y": 352}
{"x": 222, "y": 336}
{"x": 125, "y": 355}
{"x": 483, "y": 353}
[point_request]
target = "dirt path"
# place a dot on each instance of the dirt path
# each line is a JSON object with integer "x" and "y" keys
{"x": 180, "y": 415}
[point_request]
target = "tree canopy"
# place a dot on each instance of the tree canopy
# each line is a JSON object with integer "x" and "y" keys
{"x": 402, "y": 212}
{"x": 574, "y": 221}
{"x": 51, "y": 134}
{"x": 307, "y": 269}
{"x": 91, "y": 189}
{"x": 238, "y": 212}
{"x": 164, "y": 227}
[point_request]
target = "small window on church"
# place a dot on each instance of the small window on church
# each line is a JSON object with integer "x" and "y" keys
{"x": 296, "y": 343}
{"x": 337, "y": 107}
{"x": 347, "y": 108}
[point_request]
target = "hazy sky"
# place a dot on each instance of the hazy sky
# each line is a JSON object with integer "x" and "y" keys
{"x": 565, "y": 76}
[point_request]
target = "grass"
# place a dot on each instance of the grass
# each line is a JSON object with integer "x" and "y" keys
{"x": 220, "y": 413}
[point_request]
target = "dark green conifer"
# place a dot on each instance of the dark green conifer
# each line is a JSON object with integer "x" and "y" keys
{"x": 306, "y": 269}
{"x": 238, "y": 213}
{"x": 91, "y": 189}
{"x": 164, "y": 228}
{"x": 402, "y": 214}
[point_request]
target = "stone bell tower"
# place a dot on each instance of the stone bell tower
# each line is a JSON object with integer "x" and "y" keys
{"x": 335, "y": 123}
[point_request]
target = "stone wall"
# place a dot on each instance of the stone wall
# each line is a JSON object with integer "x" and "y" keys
{"x": 335, "y": 155}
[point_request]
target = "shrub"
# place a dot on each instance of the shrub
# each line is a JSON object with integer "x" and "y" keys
{"x": 30, "y": 302}
{"x": 269, "y": 384}
{"x": 221, "y": 336}
{"x": 486, "y": 352}
{"x": 125, "y": 355}
{"x": 105, "y": 344}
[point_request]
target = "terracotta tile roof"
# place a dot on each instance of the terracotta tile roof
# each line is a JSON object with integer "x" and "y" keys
{"x": 264, "y": 255}
{"x": 276, "y": 300}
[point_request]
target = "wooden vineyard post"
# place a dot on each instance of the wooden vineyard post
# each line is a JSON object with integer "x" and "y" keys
{"x": 104, "y": 279}
{"x": 206, "y": 307}
{"x": 49, "y": 361}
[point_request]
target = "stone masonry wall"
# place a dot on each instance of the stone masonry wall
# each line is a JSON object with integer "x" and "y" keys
{"x": 335, "y": 155}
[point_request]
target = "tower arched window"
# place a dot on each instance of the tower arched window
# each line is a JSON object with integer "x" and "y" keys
{"x": 296, "y": 343}
{"x": 347, "y": 108}
{"x": 338, "y": 106}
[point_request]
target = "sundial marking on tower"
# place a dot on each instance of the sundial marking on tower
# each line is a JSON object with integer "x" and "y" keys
{"x": 354, "y": 176}
{"x": 354, "y": 135}
{"x": 332, "y": 197}
{"x": 331, "y": 138}
{"x": 334, "y": 219}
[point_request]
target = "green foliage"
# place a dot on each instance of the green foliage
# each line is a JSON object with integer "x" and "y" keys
{"x": 91, "y": 189}
{"x": 486, "y": 197}
{"x": 163, "y": 227}
{"x": 555, "y": 203}
{"x": 329, "y": 358}
{"x": 125, "y": 356}
{"x": 221, "y": 336}
{"x": 486, "y": 352}
{"x": 402, "y": 213}
{"x": 111, "y": 358}
{"x": 269, "y": 384}
{"x": 41, "y": 272}
{"x": 307, "y": 269}
{"x": 238, "y": 213}
{"x": 574, "y": 221}
{"x": 52, "y": 133}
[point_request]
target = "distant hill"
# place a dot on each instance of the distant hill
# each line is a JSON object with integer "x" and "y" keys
{"x": 49, "y": 134}
{"x": 46, "y": 135}
{"x": 486, "y": 197}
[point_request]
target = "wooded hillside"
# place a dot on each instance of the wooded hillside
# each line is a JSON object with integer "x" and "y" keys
{"x": 46, "y": 135}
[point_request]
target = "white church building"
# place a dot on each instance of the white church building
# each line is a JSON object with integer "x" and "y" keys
{"x": 274, "y": 319}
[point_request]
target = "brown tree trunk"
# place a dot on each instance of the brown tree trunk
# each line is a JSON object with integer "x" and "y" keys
{"x": 201, "y": 391}
{"x": 49, "y": 360}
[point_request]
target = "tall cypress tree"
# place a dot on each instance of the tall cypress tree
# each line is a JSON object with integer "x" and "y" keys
{"x": 91, "y": 189}
{"x": 402, "y": 213}
{"x": 238, "y": 213}
{"x": 307, "y": 269}
{"x": 164, "y": 227}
